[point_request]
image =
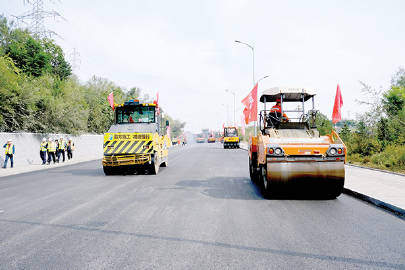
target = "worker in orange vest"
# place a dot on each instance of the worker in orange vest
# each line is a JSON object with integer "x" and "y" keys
{"x": 277, "y": 108}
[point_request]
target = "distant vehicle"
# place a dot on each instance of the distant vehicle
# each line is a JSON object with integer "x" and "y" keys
{"x": 212, "y": 139}
{"x": 200, "y": 138}
{"x": 288, "y": 154}
{"x": 231, "y": 138}
{"x": 136, "y": 140}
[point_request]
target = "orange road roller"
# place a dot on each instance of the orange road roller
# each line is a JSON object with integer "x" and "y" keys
{"x": 289, "y": 156}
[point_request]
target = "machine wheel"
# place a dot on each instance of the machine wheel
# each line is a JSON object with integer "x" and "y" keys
{"x": 335, "y": 191}
{"x": 166, "y": 163}
{"x": 254, "y": 176}
{"x": 108, "y": 170}
{"x": 154, "y": 166}
{"x": 264, "y": 184}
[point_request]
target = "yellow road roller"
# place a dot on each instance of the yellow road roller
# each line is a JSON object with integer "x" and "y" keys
{"x": 231, "y": 137}
{"x": 137, "y": 140}
{"x": 289, "y": 155}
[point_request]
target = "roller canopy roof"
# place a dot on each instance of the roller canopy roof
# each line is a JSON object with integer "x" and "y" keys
{"x": 289, "y": 94}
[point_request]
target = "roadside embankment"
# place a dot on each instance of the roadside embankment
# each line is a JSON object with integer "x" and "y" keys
{"x": 27, "y": 158}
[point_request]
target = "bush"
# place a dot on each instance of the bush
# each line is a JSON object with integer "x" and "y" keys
{"x": 392, "y": 157}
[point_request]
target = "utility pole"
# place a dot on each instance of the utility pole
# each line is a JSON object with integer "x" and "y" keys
{"x": 253, "y": 57}
{"x": 253, "y": 68}
{"x": 75, "y": 59}
{"x": 35, "y": 19}
{"x": 234, "y": 105}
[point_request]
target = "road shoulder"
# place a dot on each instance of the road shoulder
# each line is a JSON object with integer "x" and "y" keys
{"x": 39, "y": 167}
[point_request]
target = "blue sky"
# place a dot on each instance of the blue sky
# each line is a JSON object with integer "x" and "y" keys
{"x": 186, "y": 49}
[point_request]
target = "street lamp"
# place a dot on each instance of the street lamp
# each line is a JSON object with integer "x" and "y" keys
{"x": 227, "y": 111}
{"x": 253, "y": 57}
{"x": 253, "y": 67}
{"x": 263, "y": 78}
{"x": 234, "y": 98}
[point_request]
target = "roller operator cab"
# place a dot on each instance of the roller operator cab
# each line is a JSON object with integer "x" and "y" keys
{"x": 137, "y": 140}
{"x": 288, "y": 155}
{"x": 231, "y": 138}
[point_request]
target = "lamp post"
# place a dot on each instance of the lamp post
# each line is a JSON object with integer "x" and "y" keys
{"x": 234, "y": 98}
{"x": 253, "y": 57}
{"x": 264, "y": 77}
{"x": 253, "y": 68}
{"x": 227, "y": 112}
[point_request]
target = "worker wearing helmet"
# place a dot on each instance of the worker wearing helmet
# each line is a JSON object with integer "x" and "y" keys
{"x": 42, "y": 150}
{"x": 70, "y": 147}
{"x": 51, "y": 147}
{"x": 10, "y": 150}
{"x": 61, "y": 149}
{"x": 277, "y": 108}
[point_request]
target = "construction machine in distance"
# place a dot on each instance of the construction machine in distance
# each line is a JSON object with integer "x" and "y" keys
{"x": 137, "y": 140}
{"x": 289, "y": 156}
{"x": 231, "y": 138}
{"x": 211, "y": 138}
{"x": 200, "y": 138}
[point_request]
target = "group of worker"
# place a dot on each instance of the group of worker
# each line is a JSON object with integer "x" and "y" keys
{"x": 50, "y": 150}
{"x": 54, "y": 149}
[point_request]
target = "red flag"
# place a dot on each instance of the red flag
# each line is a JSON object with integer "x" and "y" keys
{"x": 250, "y": 103}
{"x": 246, "y": 114}
{"x": 242, "y": 124}
{"x": 110, "y": 99}
{"x": 168, "y": 131}
{"x": 156, "y": 101}
{"x": 337, "y": 108}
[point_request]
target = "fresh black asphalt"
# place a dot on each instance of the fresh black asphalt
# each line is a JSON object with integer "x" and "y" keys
{"x": 201, "y": 212}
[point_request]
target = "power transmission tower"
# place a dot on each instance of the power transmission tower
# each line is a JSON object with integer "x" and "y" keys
{"x": 35, "y": 18}
{"x": 75, "y": 59}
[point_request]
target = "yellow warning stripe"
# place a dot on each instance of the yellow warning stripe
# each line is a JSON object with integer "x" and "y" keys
{"x": 127, "y": 147}
{"x": 109, "y": 147}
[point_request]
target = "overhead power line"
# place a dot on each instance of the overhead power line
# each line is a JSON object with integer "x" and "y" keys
{"x": 35, "y": 19}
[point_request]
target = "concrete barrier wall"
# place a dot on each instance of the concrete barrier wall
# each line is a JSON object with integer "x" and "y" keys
{"x": 87, "y": 147}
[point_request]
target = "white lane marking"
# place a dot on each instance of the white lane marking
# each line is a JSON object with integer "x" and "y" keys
{"x": 1, "y": 211}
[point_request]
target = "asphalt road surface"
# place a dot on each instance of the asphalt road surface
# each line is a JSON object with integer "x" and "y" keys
{"x": 201, "y": 212}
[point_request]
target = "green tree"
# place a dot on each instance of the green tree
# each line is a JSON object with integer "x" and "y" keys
{"x": 394, "y": 100}
{"x": 59, "y": 66}
{"x": 399, "y": 78}
{"x": 5, "y": 29}
{"x": 28, "y": 54}
{"x": 323, "y": 124}
{"x": 9, "y": 94}
{"x": 345, "y": 132}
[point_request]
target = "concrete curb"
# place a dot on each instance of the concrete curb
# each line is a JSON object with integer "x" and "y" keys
{"x": 244, "y": 146}
{"x": 374, "y": 169}
{"x": 399, "y": 212}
